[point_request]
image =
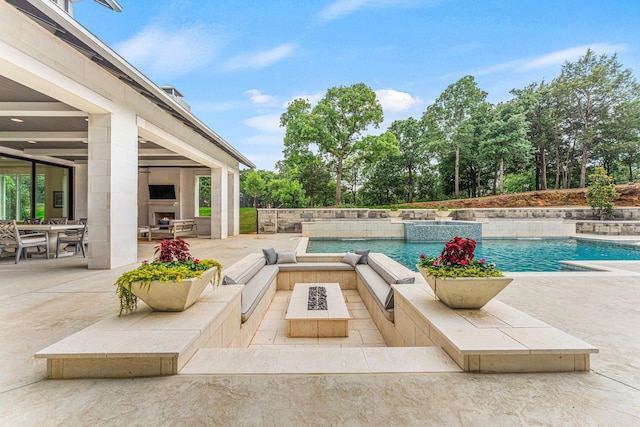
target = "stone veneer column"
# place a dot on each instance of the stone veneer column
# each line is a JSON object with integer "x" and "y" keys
{"x": 219, "y": 203}
{"x": 112, "y": 197}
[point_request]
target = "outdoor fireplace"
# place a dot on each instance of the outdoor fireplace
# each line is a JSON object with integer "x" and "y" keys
{"x": 163, "y": 218}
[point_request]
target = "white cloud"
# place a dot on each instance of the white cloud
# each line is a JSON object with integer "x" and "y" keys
{"x": 260, "y": 59}
{"x": 394, "y": 101}
{"x": 260, "y": 98}
{"x": 571, "y": 54}
{"x": 268, "y": 123}
{"x": 341, "y": 8}
{"x": 165, "y": 52}
{"x": 550, "y": 59}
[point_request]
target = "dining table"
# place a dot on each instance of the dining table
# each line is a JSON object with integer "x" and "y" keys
{"x": 51, "y": 232}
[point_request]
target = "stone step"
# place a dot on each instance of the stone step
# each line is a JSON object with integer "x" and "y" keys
{"x": 319, "y": 360}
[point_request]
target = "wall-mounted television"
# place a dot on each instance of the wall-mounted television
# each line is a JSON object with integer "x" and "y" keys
{"x": 162, "y": 192}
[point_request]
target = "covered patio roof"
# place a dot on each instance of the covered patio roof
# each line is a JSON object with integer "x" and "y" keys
{"x": 36, "y": 125}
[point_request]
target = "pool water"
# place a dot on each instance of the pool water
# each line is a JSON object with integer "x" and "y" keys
{"x": 508, "y": 255}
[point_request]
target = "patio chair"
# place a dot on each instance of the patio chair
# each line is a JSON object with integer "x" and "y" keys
{"x": 73, "y": 237}
{"x": 34, "y": 221}
{"x": 11, "y": 238}
{"x": 57, "y": 220}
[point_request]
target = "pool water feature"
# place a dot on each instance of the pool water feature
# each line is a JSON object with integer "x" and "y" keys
{"x": 515, "y": 255}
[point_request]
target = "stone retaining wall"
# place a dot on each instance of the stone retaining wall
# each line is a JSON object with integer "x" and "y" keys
{"x": 609, "y": 228}
{"x": 292, "y": 220}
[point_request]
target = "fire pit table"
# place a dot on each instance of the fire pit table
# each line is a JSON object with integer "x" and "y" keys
{"x": 317, "y": 310}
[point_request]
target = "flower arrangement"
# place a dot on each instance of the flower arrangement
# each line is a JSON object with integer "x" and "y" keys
{"x": 173, "y": 263}
{"x": 457, "y": 260}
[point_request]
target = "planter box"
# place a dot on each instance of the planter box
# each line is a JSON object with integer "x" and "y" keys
{"x": 173, "y": 296}
{"x": 441, "y": 215}
{"x": 466, "y": 292}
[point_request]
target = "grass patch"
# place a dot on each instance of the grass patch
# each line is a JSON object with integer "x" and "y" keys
{"x": 248, "y": 220}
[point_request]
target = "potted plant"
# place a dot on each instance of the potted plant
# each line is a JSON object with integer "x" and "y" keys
{"x": 442, "y": 212}
{"x": 173, "y": 281}
{"x": 458, "y": 279}
{"x": 394, "y": 212}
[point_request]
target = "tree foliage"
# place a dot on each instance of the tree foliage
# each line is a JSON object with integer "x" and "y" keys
{"x": 550, "y": 134}
{"x": 335, "y": 127}
{"x": 601, "y": 193}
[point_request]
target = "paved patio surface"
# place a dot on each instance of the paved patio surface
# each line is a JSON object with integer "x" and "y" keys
{"x": 43, "y": 301}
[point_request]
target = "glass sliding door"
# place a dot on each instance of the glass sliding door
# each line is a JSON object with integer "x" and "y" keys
{"x": 15, "y": 189}
{"x": 52, "y": 191}
{"x": 33, "y": 190}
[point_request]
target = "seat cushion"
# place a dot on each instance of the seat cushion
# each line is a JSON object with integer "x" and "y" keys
{"x": 247, "y": 274}
{"x": 255, "y": 289}
{"x": 33, "y": 240}
{"x": 378, "y": 288}
{"x": 387, "y": 275}
{"x": 316, "y": 266}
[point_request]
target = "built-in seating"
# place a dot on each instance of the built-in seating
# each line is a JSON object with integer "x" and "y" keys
{"x": 497, "y": 338}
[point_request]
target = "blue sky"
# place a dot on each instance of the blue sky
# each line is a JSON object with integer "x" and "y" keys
{"x": 238, "y": 63}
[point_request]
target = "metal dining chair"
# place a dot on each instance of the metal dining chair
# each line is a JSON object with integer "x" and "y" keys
{"x": 57, "y": 220}
{"x": 32, "y": 221}
{"x": 77, "y": 239}
{"x": 10, "y": 237}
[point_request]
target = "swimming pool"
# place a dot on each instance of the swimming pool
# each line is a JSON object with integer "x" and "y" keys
{"x": 508, "y": 254}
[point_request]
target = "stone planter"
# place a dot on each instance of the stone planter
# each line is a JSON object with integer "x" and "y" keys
{"x": 466, "y": 292}
{"x": 394, "y": 214}
{"x": 173, "y": 296}
{"x": 441, "y": 215}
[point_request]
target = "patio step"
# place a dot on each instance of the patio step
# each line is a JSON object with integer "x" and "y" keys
{"x": 319, "y": 360}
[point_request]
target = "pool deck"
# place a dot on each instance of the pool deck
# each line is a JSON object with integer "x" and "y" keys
{"x": 43, "y": 301}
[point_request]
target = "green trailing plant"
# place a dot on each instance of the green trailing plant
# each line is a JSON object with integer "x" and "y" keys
{"x": 457, "y": 259}
{"x": 173, "y": 264}
{"x": 601, "y": 193}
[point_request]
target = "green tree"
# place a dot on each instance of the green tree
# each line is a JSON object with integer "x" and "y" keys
{"x": 589, "y": 93}
{"x": 253, "y": 185}
{"x": 452, "y": 108}
{"x": 335, "y": 126}
{"x": 601, "y": 193}
{"x": 412, "y": 136}
{"x": 505, "y": 138}
{"x": 537, "y": 104}
{"x": 287, "y": 193}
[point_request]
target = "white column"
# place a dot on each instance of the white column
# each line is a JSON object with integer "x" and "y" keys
{"x": 234, "y": 202}
{"x": 112, "y": 190}
{"x": 219, "y": 203}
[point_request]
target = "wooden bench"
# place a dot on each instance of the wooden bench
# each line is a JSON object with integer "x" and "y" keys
{"x": 176, "y": 228}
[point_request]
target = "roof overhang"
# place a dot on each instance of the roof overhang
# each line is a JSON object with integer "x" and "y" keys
{"x": 52, "y": 18}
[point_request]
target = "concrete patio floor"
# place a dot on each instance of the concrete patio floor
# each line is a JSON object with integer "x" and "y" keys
{"x": 43, "y": 301}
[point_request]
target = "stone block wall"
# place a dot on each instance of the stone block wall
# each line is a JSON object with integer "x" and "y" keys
{"x": 609, "y": 228}
{"x": 290, "y": 220}
{"x": 562, "y": 219}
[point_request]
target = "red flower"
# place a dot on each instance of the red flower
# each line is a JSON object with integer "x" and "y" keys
{"x": 463, "y": 262}
{"x": 196, "y": 260}
{"x": 422, "y": 256}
